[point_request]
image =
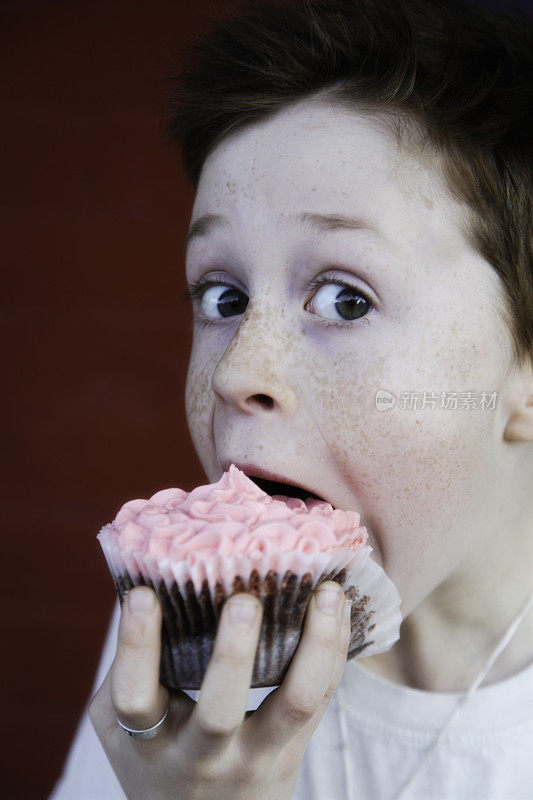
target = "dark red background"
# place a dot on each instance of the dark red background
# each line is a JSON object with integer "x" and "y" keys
{"x": 94, "y": 210}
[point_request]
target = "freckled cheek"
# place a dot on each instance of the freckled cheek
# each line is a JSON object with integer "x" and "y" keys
{"x": 452, "y": 351}
{"x": 412, "y": 472}
{"x": 349, "y": 384}
{"x": 399, "y": 456}
{"x": 198, "y": 396}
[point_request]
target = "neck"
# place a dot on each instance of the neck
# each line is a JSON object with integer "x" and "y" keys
{"x": 446, "y": 641}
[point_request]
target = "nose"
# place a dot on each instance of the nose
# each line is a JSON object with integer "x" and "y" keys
{"x": 253, "y": 372}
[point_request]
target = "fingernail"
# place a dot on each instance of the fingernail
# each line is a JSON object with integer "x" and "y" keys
{"x": 141, "y": 601}
{"x": 242, "y": 612}
{"x": 328, "y": 600}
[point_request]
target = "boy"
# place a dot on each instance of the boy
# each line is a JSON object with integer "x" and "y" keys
{"x": 361, "y": 229}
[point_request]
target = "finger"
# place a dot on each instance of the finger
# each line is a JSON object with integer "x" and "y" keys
{"x": 338, "y": 669}
{"x": 340, "y": 662}
{"x": 103, "y": 715}
{"x": 138, "y": 698}
{"x": 295, "y": 748}
{"x": 221, "y": 705}
{"x": 296, "y": 706}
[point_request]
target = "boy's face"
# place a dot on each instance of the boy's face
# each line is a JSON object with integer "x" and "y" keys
{"x": 271, "y": 384}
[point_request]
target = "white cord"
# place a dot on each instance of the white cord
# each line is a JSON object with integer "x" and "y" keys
{"x": 500, "y": 647}
{"x": 350, "y": 794}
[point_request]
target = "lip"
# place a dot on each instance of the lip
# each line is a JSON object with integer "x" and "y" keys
{"x": 258, "y": 472}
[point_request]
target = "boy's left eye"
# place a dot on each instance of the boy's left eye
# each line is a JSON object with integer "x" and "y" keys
{"x": 339, "y": 297}
{"x": 335, "y": 300}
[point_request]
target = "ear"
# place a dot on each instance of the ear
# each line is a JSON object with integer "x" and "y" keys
{"x": 519, "y": 426}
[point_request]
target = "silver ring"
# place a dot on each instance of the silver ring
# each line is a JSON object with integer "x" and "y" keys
{"x": 147, "y": 733}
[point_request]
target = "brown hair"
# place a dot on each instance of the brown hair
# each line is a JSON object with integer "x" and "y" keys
{"x": 462, "y": 72}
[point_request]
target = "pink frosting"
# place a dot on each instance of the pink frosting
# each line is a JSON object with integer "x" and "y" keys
{"x": 233, "y": 516}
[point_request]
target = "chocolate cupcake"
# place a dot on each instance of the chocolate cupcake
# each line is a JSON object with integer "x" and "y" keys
{"x": 196, "y": 549}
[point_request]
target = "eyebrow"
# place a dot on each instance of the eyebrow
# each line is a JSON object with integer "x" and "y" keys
{"x": 322, "y": 223}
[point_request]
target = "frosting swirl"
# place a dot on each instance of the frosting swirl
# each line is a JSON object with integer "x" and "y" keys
{"x": 229, "y": 517}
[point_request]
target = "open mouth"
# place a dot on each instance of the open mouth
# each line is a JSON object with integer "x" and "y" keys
{"x": 286, "y": 489}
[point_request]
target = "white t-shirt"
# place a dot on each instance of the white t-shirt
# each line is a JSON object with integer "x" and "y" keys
{"x": 486, "y": 754}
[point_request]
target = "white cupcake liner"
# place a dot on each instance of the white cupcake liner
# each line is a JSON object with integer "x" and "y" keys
{"x": 192, "y": 593}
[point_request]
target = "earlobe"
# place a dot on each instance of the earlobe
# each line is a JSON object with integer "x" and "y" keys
{"x": 519, "y": 427}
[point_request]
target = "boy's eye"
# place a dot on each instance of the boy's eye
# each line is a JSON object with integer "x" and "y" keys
{"x": 335, "y": 300}
{"x": 220, "y": 299}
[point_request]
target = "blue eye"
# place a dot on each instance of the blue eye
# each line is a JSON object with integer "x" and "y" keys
{"x": 339, "y": 302}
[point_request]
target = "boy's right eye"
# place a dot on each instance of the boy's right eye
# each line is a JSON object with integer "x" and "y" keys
{"x": 218, "y": 300}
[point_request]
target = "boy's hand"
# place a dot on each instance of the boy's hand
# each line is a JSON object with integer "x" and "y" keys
{"x": 209, "y": 749}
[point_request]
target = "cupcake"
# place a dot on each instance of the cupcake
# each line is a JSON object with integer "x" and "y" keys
{"x": 196, "y": 549}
